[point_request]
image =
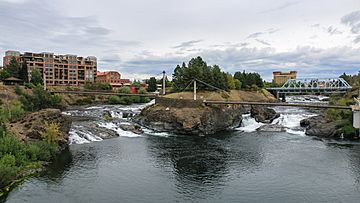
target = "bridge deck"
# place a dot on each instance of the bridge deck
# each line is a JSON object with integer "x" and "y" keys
{"x": 102, "y": 93}
{"x": 279, "y": 104}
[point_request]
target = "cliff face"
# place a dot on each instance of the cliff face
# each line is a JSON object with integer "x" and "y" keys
{"x": 201, "y": 120}
{"x": 31, "y": 125}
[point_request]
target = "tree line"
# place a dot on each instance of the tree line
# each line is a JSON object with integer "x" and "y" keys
{"x": 20, "y": 71}
{"x": 198, "y": 69}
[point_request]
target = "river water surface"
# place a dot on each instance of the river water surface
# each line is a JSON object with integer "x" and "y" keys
{"x": 239, "y": 166}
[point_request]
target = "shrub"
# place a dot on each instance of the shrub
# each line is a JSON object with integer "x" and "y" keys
{"x": 114, "y": 100}
{"x": 18, "y": 90}
{"x": 12, "y": 112}
{"x": 97, "y": 86}
{"x": 8, "y": 170}
{"x": 142, "y": 90}
{"x": 125, "y": 90}
{"x": 40, "y": 99}
{"x": 29, "y": 85}
{"x": 42, "y": 150}
{"x": 50, "y": 133}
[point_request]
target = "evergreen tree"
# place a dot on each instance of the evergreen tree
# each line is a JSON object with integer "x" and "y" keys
{"x": 13, "y": 68}
{"x": 23, "y": 73}
{"x": 152, "y": 84}
{"x": 4, "y": 74}
{"x": 36, "y": 78}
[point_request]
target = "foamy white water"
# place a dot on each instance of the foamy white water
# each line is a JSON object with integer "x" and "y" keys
{"x": 118, "y": 130}
{"x": 79, "y": 135}
{"x": 249, "y": 124}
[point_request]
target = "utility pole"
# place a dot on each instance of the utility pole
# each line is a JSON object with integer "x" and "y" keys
{"x": 194, "y": 89}
{"x": 44, "y": 76}
{"x": 163, "y": 83}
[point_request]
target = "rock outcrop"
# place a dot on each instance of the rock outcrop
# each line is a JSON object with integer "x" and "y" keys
{"x": 272, "y": 128}
{"x": 318, "y": 126}
{"x": 263, "y": 114}
{"x": 31, "y": 125}
{"x": 200, "y": 120}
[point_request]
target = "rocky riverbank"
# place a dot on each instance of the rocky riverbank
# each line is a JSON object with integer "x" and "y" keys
{"x": 30, "y": 127}
{"x": 319, "y": 126}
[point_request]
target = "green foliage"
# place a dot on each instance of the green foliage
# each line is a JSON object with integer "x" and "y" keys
{"x": 151, "y": 84}
{"x": 114, "y": 100}
{"x": 40, "y": 99}
{"x": 29, "y": 85}
{"x": 18, "y": 90}
{"x": 8, "y": 170}
{"x": 348, "y": 130}
{"x": 339, "y": 114}
{"x": 16, "y": 156}
{"x": 97, "y": 86}
{"x": 125, "y": 90}
{"x": 36, "y": 78}
{"x": 13, "y": 68}
{"x": 23, "y": 72}
{"x": 237, "y": 84}
{"x": 12, "y": 112}
{"x": 249, "y": 79}
{"x": 51, "y": 132}
{"x": 230, "y": 81}
{"x": 142, "y": 90}
{"x": 198, "y": 69}
{"x": 136, "y": 84}
{"x": 4, "y": 74}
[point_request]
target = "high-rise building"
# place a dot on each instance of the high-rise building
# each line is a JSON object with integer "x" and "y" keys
{"x": 280, "y": 78}
{"x": 57, "y": 69}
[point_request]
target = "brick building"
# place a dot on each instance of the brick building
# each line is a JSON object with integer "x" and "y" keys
{"x": 280, "y": 78}
{"x": 113, "y": 78}
{"x": 58, "y": 69}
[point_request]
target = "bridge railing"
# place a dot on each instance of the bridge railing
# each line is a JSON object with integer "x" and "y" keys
{"x": 314, "y": 84}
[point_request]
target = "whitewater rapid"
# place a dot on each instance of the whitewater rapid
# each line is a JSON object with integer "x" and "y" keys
{"x": 90, "y": 124}
{"x": 289, "y": 117}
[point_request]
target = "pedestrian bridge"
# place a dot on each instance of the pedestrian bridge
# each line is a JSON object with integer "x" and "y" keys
{"x": 311, "y": 85}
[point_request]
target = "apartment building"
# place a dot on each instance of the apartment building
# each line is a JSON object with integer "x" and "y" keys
{"x": 57, "y": 69}
{"x": 280, "y": 78}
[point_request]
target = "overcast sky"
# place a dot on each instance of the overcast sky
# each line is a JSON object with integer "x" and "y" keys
{"x": 140, "y": 38}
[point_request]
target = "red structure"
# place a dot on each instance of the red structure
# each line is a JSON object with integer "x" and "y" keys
{"x": 113, "y": 78}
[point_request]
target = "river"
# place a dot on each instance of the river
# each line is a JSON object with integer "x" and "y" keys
{"x": 239, "y": 166}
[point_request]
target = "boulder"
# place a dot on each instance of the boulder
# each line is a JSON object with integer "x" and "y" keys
{"x": 200, "y": 120}
{"x": 263, "y": 114}
{"x": 272, "y": 128}
{"x": 131, "y": 127}
{"x": 312, "y": 121}
{"x": 323, "y": 129}
{"x": 29, "y": 127}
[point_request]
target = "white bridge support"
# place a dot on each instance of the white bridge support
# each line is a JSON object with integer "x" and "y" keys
{"x": 356, "y": 114}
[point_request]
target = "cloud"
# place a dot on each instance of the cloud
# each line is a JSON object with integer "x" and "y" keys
{"x": 263, "y": 42}
{"x": 187, "y": 44}
{"x": 315, "y": 25}
{"x": 280, "y": 7}
{"x": 308, "y": 61}
{"x": 255, "y": 35}
{"x": 333, "y": 31}
{"x": 352, "y": 20}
